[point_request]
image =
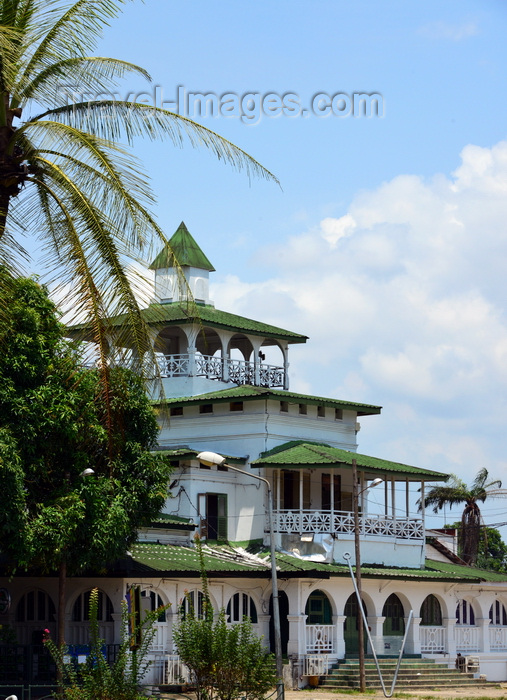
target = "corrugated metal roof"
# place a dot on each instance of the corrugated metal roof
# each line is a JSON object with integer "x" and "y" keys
{"x": 180, "y": 313}
{"x": 246, "y": 392}
{"x": 301, "y": 454}
{"x": 227, "y": 560}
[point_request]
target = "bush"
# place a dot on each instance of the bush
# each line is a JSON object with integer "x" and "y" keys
{"x": 96, "y": 679}
{"x": 226, "y": 661}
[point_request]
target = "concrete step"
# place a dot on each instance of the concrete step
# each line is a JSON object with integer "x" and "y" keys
{"x": 421, "y": 673}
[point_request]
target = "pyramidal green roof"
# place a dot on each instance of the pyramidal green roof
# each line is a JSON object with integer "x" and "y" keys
{"x": 184, "y": 249}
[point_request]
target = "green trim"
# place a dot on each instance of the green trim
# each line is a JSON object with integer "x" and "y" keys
{"x": 299, "y": 454}
{"x": 184, "y": 250}
{"x": 254, "y": 393}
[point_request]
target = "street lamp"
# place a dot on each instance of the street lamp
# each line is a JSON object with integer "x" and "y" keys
{"x": 355, "y": 500}
{"x": 210, "y": 458}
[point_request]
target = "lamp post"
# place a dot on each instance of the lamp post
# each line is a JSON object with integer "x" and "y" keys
{"x": 210, "y": 458}
{"x": 360, "y": 630}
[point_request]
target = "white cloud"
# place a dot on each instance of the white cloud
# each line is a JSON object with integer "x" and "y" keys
{"x": 449, "y": 32}
{"x": 403, "y": 298}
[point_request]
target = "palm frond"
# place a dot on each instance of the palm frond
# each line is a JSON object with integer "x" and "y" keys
{"x": 75, "y": 32}
{"x": 57, "y": 83}
{"x": 112, "y": 119}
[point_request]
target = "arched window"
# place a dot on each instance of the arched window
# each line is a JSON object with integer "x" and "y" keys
{"x": 431, "y": 612}
{"x": 193, "y": 601}
{"x": 156, "y": 602}
{"x": 318, "y": 609}
{"x": 81, "y": 609}
{"x": 240, "y": 606}
{"x": 35, "y": 606}
{"x": 465, "y": 613}
{"x": 497, "y": 614}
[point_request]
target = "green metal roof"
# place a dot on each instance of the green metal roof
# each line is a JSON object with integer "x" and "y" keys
{"x": 306, "y": 455}
{"x": 246, "y": 392}
{"x": 180, "y": 313}
{"x": 185, "y": 560}
{"x": 224, "y": 560}
{"x": 183, "y": 248}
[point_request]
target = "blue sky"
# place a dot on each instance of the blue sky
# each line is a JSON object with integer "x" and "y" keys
{"x": 386, "y": 242}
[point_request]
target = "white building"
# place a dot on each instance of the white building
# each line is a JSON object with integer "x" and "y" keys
{"x": 224, "y": 396}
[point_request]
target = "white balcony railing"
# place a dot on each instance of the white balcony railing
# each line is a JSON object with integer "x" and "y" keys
{"x": 498, "y": 638}
{"x": 219, "y": 368}
{"x": 467, "y": 639}
{"x": 432, "y": 640}
{"x": 325, "y": 521}
{"x": 319, "y": 640}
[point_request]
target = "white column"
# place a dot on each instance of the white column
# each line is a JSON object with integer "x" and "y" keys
{"x": 297, "y": 634}
{"x": 413, "y": 644}
{"x": 376, "y": 627}
{"x": 450, "y": 642}
{"x": 339, "y": 646}
{"x": 263, "y": 620}
{"x": 484, "y": 642}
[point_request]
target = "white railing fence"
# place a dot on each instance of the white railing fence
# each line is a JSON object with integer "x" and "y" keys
{"x": 212, "y": 367}
{"x": 467, "y": 638}
{"x": 319, "y": 639}
{"x": 300, "y": 521}
{"x": 432, "y": 640}
{"x": 498, "y": 638}
{"x": 315, "y": 665}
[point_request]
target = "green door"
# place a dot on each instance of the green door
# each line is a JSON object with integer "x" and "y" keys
{"x": 350, "y": 628}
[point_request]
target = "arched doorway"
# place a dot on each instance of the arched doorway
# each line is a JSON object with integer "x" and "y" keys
{"x": 431, "y": 630}
{"x": 394, "y": 623}
{"x": 35, "y": 612}
{"x": 319, "y": 620}
{"x": 283, "y": 604}
{"x": 351, "y": 626}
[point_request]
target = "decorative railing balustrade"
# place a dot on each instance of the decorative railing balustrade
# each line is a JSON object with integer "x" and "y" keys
{"x": 224, "y": 369}
{"x": 325, "y": 521}
{"x": 432, "y": 640}
{"x": 498, "y": 638}
{"x": 467, "y": 639}
{"x": 319, "y": 640}
{"x": 315, "y": 665}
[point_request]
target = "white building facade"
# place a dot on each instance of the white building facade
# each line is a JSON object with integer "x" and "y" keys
{"x": 223, "y": 395}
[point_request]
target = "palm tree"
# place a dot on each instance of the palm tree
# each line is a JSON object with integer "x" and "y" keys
{"x": 64, "y": 176}
{"x": 457, "y": 492}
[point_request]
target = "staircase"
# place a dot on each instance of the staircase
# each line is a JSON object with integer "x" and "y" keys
{"x": 413, "y": 673}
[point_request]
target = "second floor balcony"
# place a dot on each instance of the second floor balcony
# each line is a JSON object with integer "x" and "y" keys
{"x": 222, "y": 369}
{"x": 303, "y": 522}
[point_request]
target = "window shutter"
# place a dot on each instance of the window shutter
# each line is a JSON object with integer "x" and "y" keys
{"x": 222, "y": 516}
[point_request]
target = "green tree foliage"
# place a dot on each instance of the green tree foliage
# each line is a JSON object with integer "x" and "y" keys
{"x": 53, "y": 425}
{"x": 97, "y": 679}
{"x": 64, "y": 175}
{"x": 492, "y": 552}
{"x": 456, "y": 492}
{"x": 226, "y": 661}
